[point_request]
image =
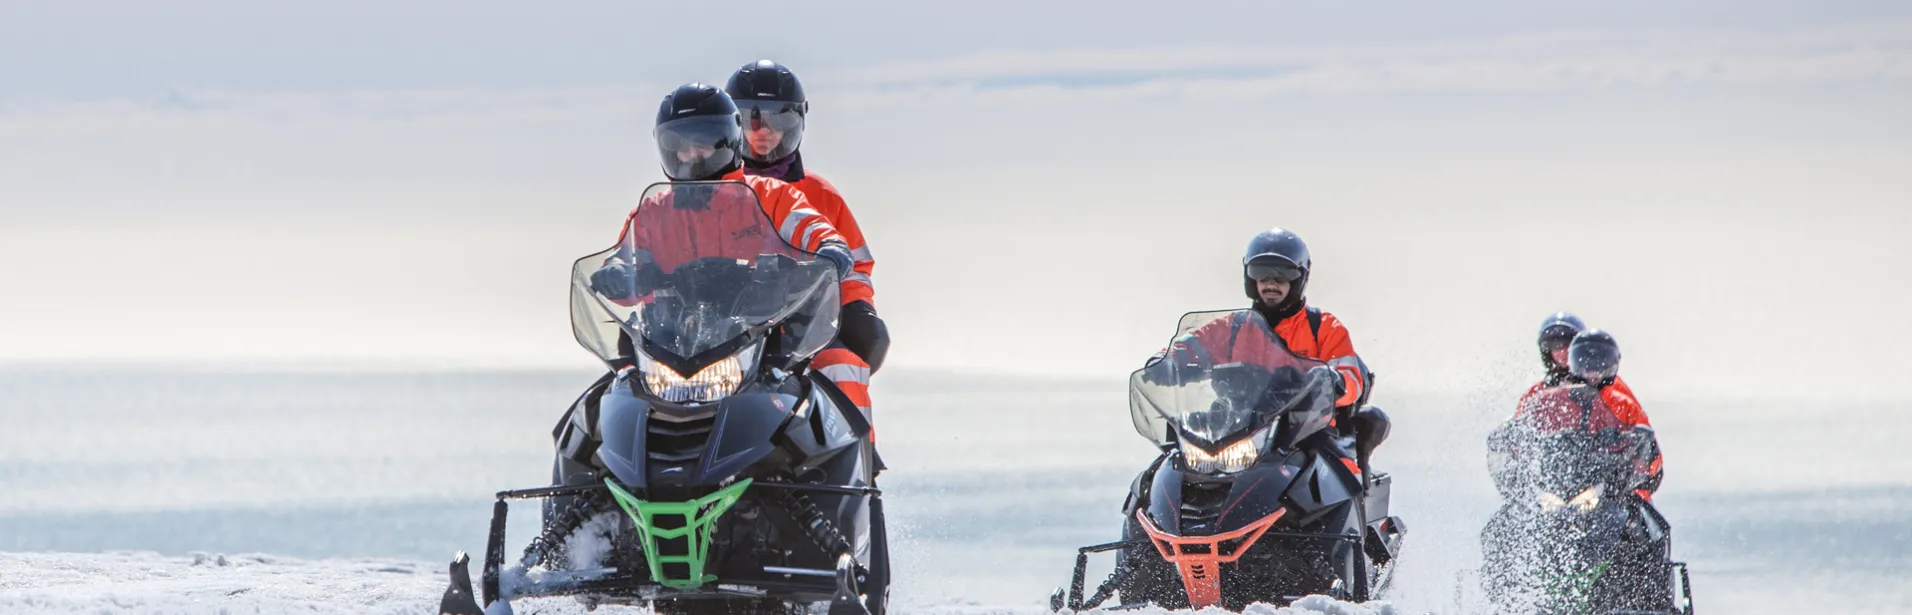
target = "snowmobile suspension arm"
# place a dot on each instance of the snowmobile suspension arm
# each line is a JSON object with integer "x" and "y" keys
{"x": 1107, "y": 589}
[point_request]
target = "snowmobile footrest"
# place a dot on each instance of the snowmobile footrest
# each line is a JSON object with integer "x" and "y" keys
{"x": 848, "y": 600}
{"x": 459, "y": 599}
{"x": 1079, "y": 580}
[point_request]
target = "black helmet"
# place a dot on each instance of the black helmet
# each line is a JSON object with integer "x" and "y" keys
{"x": 699, "y": 135}
{"x": 1555, "y": 333}
{"x": 769, "y": 96}
{"x": 1281, "y": 253}
{"x": 1594, "y": 357}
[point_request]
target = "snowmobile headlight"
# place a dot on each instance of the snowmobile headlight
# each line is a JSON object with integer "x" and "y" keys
{"x": 1550, "y": 502}
{"x": 1232, "y": 458}
{"x": 1589, "y": 499}
{"x": 714, "y": 382}
{"x": 1586, "y": 501}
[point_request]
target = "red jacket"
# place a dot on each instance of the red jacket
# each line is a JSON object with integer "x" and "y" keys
{"x": 1330, "y": 345}
{"x": 826, "y": 200}
{"x": 1553, "y": 408}
{"x": 672, "y": 239}
{"x": 1618, "y": 398}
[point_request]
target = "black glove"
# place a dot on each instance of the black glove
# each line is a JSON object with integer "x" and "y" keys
{"x": 864, "y": 333}
{"x": 615, "y": 280}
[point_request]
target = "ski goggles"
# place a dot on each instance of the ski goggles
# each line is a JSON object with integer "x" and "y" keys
{"x": 1262, "y": 272}
{"x": 775, "y": 115}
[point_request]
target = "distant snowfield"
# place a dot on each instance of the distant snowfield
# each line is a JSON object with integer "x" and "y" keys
{"x": 144, "y": 582}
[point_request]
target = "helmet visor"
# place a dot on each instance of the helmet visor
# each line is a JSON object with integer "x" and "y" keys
{"x": 772, "y": 129}
{"x": 1556, "y": 337}
{"x": 1273, "y": 270}
{"x": 1594, "y": 361}
{"x": 697, "y": 147}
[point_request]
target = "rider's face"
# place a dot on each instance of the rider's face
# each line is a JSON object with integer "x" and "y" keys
{"x": 762, "y": 139}
{"x": 1560, "y": 355}
{"x": 1272, "y": 290}
{"x": 695, "y": 152}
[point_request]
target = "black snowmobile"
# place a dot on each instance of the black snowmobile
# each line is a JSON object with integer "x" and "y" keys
{"x": 1576, "y": 535}
{"x": 715, "y": 472}
{"x": 1259, "y": 497}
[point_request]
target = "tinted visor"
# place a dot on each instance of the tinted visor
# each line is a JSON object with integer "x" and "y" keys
{"x": 782, "y": 118}
{"x": 1557, "y": 337}
{"x": 1594, "y": 361}
{"x": 698, "y": 147}
{"x": 1264, "y": 271}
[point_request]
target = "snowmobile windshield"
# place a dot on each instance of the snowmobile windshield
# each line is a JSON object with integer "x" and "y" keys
{"x": 1225, "y": 375}
{"x": 699, "y": 274}
{"x": 1533, "y": 451}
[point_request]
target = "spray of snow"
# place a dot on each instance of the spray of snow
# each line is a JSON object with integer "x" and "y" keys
{"x": 588, "y": 546}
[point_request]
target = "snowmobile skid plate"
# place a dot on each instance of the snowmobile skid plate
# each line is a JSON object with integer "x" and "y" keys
{"x": 461, "y": 599}
{"x": 1073, "y": 600}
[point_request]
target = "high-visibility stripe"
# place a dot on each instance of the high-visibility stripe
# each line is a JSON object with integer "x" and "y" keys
{"x": 811, "y": 241}
{"x": 792, "y": 221}
{"x": 856, "y": 276}
{"x": 862, "y": 255}
{"x": 844, "y": 372}
{"x": 1352, "y": 376}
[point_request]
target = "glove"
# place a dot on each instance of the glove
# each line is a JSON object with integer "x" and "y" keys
{"x": 864, "y": 333}
{"x": 1337, "y": 384}
{"x": 837, "y": 255}
{"x": 614, "y": 280}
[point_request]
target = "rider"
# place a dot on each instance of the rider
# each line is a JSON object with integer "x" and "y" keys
{"x": 774, "y": 107}
{"x": 700, "y": 138}
{"x": 1275, "y": 273}
{"x": 1556, "y": 332}
{"x": 1593, "y": 360}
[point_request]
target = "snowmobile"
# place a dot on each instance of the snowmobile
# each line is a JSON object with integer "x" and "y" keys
{"x": 1257, "y": 497}
{"x": 714, "y": 472}
{"x": 1577, "y": 534}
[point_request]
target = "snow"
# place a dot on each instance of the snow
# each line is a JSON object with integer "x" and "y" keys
{"x": 146, "y": 582}
{"x": 214, "y": 584}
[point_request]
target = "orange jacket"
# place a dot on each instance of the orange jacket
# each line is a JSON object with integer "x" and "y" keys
{"x": 827, "y": 201}
{"x": 672, "y": 239}
{"x": 1618, "y": 398}
{"x": 1331, "y": 345}
{"x": 1553, "y": 408}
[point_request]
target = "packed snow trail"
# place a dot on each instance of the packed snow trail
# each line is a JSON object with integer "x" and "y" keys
{"x": 211, "y": 584}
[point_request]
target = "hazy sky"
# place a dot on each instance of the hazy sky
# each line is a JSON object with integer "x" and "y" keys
{"x": 1726, "y": 186}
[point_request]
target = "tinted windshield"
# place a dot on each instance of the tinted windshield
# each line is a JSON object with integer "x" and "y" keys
{"x": 1223, "y": 375}
{"x": 698, "y": 269}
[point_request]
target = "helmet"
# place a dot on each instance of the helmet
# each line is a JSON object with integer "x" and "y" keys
{"x": 699, "y": 135}
{"x": 769, "y": 96}
{"x": 1277, "y": 252}
{"x": 1555, "y": 333}
{"x": 1594, "y": 356}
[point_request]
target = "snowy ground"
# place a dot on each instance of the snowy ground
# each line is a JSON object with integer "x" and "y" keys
{"x": 236, "y": 584}
{"x": 362, "y": 486}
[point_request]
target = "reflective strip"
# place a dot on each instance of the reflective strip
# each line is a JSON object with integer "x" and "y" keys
{"x": 1347, "y": 361}
{"x": 1352, "y": 376}
{"x": 811, "y": 233}
{"x": 856, "y": 276}
{"x": 792, "y": 221}
{"x": 862, "y": 254}
{"x": 846, "y": 373}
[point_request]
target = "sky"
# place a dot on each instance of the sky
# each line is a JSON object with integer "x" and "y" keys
{"x": 1725, "y": 186}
